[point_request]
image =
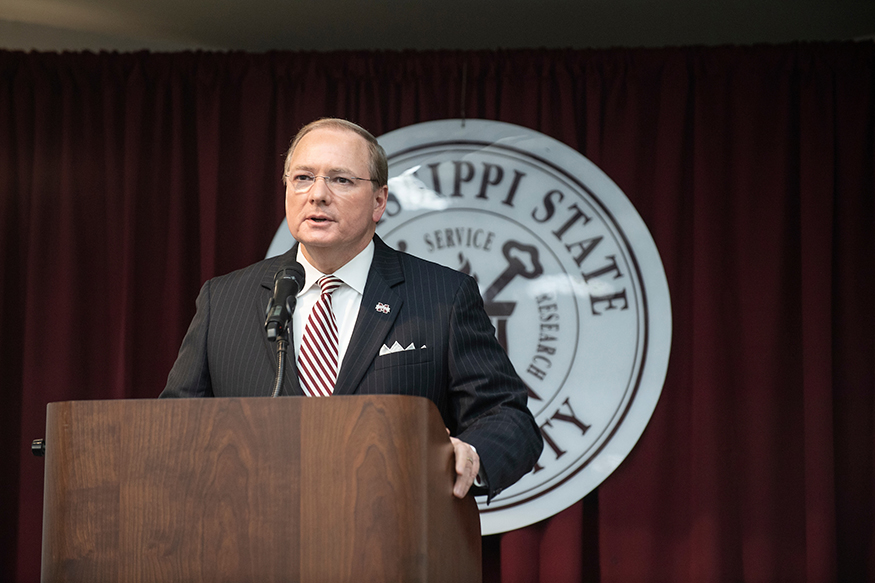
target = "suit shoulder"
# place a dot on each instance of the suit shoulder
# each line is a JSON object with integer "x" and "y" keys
{"x": 258, "y": 268}
{"x": 253, "y": 275}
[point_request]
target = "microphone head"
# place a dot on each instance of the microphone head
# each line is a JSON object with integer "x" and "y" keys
{"x": 290, "y": 274}
{"x": 287, "y": 282}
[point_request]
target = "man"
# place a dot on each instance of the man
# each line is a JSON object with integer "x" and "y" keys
{"x": 336, "y": 190}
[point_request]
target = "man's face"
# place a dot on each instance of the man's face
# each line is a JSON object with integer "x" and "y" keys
{"x": 332, "y": 228}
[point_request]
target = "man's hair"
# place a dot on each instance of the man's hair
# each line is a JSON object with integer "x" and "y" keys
{"x": 377, "y": 164}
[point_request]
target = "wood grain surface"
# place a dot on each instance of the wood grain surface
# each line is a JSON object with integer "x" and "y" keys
{"x": 254, "y": 489}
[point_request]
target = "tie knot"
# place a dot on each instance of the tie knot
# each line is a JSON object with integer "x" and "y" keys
{"x": 329, "y": 283}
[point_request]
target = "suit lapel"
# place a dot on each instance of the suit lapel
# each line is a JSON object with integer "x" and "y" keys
{"x": 372, "y": 325}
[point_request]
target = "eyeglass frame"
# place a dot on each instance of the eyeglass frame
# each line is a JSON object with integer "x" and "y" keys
{"x": 325, "y": 179}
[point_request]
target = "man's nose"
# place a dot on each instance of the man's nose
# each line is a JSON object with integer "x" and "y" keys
{"x": 320, "y": 191}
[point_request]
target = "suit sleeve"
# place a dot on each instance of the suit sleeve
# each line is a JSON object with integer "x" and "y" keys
{"x": 489, "y": 399}
{"x": 190, "y": 375}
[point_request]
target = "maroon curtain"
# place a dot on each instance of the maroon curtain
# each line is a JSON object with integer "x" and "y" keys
{"x": 127, "y": 180}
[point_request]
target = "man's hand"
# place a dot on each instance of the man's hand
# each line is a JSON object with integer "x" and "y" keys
{"x": 467, "y": 466}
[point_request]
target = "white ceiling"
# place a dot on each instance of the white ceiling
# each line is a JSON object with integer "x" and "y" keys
{"x": 260, "y": 25}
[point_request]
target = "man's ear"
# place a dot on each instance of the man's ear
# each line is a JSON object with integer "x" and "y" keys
{"x": 380, "y": 198}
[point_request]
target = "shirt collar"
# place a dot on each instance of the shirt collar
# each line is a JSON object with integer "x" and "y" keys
{"x": 354, "y": 273}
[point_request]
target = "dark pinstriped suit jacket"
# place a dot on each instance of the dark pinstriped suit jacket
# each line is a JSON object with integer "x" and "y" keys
{"x": 461, "y": 368}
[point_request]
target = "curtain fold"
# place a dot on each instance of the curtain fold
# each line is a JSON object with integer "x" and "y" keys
{"x": 126, "y": 180}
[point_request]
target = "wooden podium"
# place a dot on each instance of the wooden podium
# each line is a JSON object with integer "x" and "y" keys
{"x": 254, "y": 490}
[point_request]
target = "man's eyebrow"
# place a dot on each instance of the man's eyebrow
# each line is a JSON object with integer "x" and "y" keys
{"x": 340, "y": 170}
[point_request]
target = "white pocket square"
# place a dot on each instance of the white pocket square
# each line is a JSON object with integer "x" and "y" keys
{"x": 396, "y": 348}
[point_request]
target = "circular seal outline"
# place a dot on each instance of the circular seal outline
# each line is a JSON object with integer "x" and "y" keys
{"x": 650, "y": 274}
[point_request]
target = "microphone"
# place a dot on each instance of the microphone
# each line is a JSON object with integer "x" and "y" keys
{"x": 287, "y": 282}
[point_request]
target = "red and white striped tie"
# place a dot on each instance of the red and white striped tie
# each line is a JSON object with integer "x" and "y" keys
{"x": 317, "y": 359}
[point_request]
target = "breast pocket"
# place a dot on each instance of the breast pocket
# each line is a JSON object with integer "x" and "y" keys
{"x": 404, "y": 357}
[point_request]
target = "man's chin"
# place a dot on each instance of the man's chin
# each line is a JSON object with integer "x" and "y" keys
{"x": 318, "y": 237}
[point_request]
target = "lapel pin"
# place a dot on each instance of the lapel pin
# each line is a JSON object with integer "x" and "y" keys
{"x": 381, "y": 307}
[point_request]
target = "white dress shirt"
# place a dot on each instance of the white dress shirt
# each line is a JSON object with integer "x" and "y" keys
{"x": 345, "y": 301}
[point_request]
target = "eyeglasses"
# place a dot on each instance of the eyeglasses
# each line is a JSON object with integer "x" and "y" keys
{"x": 338, "y": 183}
